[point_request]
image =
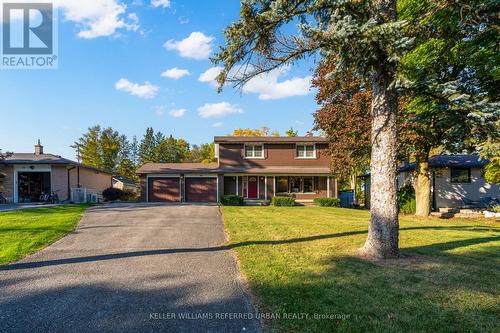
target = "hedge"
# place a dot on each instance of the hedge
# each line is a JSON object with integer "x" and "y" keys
{"x": 232, "y": 200}
{"x": 327, "y": 202}
{"x": 283, "y": 201}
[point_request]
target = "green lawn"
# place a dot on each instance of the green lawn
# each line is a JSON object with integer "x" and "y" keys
{"x": 27, "y": 231}
{"x": 302, "y": 260}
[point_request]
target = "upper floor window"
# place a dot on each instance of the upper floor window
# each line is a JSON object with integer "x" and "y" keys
{"x": 460, "y": 175}
{"x": 305, "y": 151}
{"x": 254, "y": 151}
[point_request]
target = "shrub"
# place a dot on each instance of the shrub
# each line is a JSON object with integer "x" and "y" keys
{"x": 327, "y": 202}
{"x": 496, "y": 209}
{"x": 283, "y": 201}
{"x": 232, "y": 200}
{"x": 129, "y": 195}
{"x": 406, "y": 200}
{"x": 112, "y": 194}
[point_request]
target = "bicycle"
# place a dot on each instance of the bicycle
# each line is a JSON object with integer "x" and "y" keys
{"x": 49, "y": 197}
{"x": 3, "y": 200}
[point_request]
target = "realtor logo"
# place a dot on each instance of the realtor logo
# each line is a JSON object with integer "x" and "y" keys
{"x": 29, "y": 39}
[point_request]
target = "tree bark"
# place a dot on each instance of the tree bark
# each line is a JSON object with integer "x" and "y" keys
{"x": 423, "y": 185}
{"x": 383, "y": 231}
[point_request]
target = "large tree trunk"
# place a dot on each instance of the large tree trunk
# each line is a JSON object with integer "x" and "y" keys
{"x": 383, "y": 231}
{"x": 423, "y": 185}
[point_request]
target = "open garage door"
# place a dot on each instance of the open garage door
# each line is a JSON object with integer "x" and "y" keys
{"x": 201, "y": 189}
{"x": 164, "y": 190}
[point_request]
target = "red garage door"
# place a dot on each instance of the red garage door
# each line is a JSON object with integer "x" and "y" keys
{"x": 164, "y": 190}
{"x": 201, "y": 189}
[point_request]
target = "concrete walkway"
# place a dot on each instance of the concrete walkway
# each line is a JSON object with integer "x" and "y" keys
{"x": 131, "y": 268}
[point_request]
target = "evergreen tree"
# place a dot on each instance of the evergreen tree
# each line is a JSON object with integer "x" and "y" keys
{"x": 364, "y": 36}
{"x": 147, "y": 148}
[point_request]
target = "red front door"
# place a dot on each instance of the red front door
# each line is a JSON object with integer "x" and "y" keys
{"x": 253, "y": 188}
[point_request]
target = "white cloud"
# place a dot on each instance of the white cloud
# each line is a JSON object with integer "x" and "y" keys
{"x": 177, "y": 113}
{"x": 210, "y": 75}
{"x": 98, "y": 18}
{"x": 175, "y": 73}
{"x": 146, "y": 90}
{"x": 218, "y": 109}
{"x": 160, "y": 3}
{"x": 268, "y": 87}
{"x": 217, "y": 125}
{"x": 196, "y": 46}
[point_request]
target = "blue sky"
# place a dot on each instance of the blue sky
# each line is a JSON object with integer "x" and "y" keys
{"x": 112, "y": 54}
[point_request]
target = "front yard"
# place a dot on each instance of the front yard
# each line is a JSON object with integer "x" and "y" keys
{"x": 301, "y": 260}
{"x": 27, "y": 231}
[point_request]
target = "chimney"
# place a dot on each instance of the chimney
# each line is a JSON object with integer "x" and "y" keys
{"x": 38, "y": 148}
{"x": 309, "y": 134}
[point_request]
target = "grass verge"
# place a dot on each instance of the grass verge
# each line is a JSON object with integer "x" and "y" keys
{"x": 26, "y": 231}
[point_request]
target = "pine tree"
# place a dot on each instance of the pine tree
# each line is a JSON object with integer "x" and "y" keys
{"x": 147, "y": 148}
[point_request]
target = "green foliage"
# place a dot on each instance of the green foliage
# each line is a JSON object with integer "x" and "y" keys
{"x": 112, "y": 194}
{"x": 492, "y": 171}
{"x": 291, "y": 132}
{"x": 327, "y": 202}
{"x": 496, "y": 209}
{"x": 232, "y": 200}
{"x": 406, "y": 199}
{"x": 283, "y": 201}
{"x": 204, "y": 153}
{"x": 101, "y": 148}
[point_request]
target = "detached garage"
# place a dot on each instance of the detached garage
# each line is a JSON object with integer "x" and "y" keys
{"x": 179, "y": 182}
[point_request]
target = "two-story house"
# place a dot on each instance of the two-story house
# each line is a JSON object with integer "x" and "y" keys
{"x": 256, "y": 168}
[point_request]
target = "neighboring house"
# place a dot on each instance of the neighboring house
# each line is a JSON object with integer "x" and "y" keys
{"x": 28, "y": 175}
{"x": 456, "y": 181}
{"x": 125, "y": 184}
{"x": 256, "y": 168}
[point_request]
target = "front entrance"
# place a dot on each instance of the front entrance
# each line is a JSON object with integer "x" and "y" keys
{"x": 31, "y": 185}
{"x": 253, "y": 187}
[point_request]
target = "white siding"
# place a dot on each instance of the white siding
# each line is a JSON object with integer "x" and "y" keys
{"x": 450, "y": 194}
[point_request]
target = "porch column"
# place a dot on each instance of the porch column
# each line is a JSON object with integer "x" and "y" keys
{"x": 237, "y": 189}
{"x": 265, "y": 187}
{"x": 328, "y": 186}
{"x": 274, "y": 186}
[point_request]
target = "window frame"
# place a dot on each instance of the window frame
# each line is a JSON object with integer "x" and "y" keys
{"x": 246, "y": 146}
{"x": 289, "y": 184}
{"x": 469, "y": 176}
{"x": 304, "y": 145}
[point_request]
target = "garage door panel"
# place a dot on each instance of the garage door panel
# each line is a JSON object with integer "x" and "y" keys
{"x": 164, "y": 190}
{"x": 201, "y": 190}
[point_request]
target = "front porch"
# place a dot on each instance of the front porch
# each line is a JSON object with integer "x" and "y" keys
{"x": 261, "y": 188}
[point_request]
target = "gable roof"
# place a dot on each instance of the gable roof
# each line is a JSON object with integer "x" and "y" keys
{"x": 270, "y": 139}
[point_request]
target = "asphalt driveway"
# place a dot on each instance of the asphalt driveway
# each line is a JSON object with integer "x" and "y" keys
{"x": 137, "y": 268}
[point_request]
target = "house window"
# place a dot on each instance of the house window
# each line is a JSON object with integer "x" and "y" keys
{"x": 305, "y": 151}
{"x": 308, "y": 185}
{"x": 282, "y": 186}
{"x": 295, "y": 184}
{"x": 254, "y": 151}
{"x": 460, "y": 175}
